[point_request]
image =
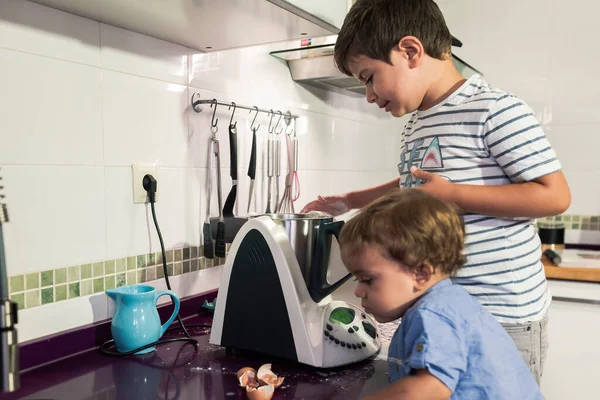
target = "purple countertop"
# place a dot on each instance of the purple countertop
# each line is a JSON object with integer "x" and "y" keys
{"x": 181, "y": 371}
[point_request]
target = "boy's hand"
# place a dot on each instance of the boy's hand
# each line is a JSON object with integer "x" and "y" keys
{"x": 334, "y": 205}
{"x": 434, "y": 184}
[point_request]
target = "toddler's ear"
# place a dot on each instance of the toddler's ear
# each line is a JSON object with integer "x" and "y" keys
{"x": 423, "y": 274}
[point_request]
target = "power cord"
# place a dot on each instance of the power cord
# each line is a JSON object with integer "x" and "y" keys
{"x": 149, "y": 183}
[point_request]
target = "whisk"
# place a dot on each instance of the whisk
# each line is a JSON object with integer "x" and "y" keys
{"x": 286, "y": 205}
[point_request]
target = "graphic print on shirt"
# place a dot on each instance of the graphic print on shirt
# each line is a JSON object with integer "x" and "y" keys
{"x": 432, "y": 160}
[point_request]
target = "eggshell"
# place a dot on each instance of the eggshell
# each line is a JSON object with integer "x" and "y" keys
{"x": 262, "y": 393}
{"x": 266, "y": 377}
{"x": 245, "y": 369}
{"x": 248, "y": 378}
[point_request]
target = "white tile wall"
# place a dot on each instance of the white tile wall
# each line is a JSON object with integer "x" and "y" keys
{"x": 51, "y": 111}
{"x": 141, "y": 55}
{"x": 82, "y": 101}
{"x": 144, "y": 119}
{"x": 544, "y": 52}
{"x": 57, "y": 216}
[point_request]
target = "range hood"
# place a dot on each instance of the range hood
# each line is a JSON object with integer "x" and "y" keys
{"x": 314, "y": 65}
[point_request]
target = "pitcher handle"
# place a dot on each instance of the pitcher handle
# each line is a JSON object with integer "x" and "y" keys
{"x": 175, "y": 299}
{"x": 319, "y": 287}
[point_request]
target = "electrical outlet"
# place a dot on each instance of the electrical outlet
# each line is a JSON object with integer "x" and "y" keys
{"x": 138, "y": 171}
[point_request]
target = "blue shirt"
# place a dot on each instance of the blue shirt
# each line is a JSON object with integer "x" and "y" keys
{"x": 450, "y": 334}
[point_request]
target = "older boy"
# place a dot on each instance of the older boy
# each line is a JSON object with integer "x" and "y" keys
{"x": 466, "y": 143}
{"x": 402, "y": 249}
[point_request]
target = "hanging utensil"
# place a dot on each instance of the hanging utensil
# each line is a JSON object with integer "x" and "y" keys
{"x": 277, "y": 167}
{"x": 286, "y": 206}
{"x": 270, "y": 149}
{"x": 252, "y": 165}
{"x": 220, "y": 241}
{"x": 296, "y": 183}
{"x": 230, "y": 201}
{"x": 206, "y": 228}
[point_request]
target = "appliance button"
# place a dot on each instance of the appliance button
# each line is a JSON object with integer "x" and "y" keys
{"x": 343, "y": 344}
{"x": 354, "y": 346}
{"x": 350, "y": 330}
{"x": 326, "y": 333}
{"x": 364, "y": 344}
{"x": 359, "y": 346}
{"x": 337, "y": 341}
{"x": 329, "y": 327}
{"x": 355, "y": 328}
{"x": 363, "y": 315}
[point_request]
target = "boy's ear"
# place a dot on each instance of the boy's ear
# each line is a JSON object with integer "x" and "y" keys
{"x": 423, "y": 274}
{"x": 413, "y": 50}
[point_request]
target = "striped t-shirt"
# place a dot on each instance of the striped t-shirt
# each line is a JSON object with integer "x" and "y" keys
{"x": 481, "y": 135}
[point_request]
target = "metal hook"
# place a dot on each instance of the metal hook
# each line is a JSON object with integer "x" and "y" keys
{"x": 232, "y": 114}
{"x": 278, "y": 121}
{"x": 213, "y": 122}
{"x": 288, "y": 118}
{"x": 272, "y": 114}
{"x": 288, "y": 121}
{"x": 252, "y": 124}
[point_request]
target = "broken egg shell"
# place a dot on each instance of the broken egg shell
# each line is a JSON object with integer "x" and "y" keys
{"x": 279, "y": 382}
{"x": 262, "y": 393}
{"x": 248, "y": 378}
{"x": 264, "y": 369}
{"x": 267, "y": 377}
{"x": 245, "y": 369}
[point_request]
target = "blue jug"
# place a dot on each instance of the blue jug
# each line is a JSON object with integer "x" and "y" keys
{"x": 136, "y": 322}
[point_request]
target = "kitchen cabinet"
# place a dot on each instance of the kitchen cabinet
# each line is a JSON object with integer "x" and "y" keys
{"x": 332, "y": 11}
{"x": 210, "y": 25}
{"x": 571, "y": 370}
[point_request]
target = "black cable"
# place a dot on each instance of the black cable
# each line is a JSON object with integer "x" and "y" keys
{"x": 164, "y": 260}
{"x": 150, "y": 186}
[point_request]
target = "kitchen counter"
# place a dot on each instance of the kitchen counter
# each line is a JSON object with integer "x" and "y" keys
{"x": 570, "y": 273}
{"x": 179, "y": 371}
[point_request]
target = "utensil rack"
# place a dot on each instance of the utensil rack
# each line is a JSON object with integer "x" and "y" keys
{"x": 197, "y": 102}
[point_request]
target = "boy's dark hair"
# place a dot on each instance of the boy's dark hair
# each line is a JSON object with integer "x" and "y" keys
{"x": 373, "y": 27}
{"x": 411, "y": 227}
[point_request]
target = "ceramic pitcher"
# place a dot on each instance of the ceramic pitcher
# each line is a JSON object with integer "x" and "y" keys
{"x": 136, "y": 322}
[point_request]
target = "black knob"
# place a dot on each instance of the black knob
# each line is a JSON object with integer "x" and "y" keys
{"x": 364, "y": 344}
{"x": 343, "y": 344}
{"x": 359, "y": 346}
{"x": 350, "y": 330}
{"x": 354, "y": 346}
{"x": 326, "y": 333}
{"x": 329, "y": 327}
{"x": 336, "y": 341}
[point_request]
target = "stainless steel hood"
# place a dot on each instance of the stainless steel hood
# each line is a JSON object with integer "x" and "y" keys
{"x": 314, "y": 66}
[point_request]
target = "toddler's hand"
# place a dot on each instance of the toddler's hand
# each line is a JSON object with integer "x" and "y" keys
{"x": 334, "y": 205}
{"x": 434, "y": 184}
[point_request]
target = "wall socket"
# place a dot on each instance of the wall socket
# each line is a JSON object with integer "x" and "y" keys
{"x": 138, "y": 171}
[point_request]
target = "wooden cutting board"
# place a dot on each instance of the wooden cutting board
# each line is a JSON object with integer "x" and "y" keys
{"x": 571, "y": 273}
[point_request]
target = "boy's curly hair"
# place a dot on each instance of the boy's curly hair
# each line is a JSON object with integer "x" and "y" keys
{"x": 373, "y": 27}
{"x": 411, "y": 227}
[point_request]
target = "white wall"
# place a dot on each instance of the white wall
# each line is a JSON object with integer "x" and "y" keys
{"x": 81, "y": 101}
{"x": 545, "y": 52}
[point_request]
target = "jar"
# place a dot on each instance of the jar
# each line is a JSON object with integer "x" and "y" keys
{"x": 552, "y": 235}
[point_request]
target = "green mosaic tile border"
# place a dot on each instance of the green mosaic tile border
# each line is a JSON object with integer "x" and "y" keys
{"x": 573, "y": 222}
{"x": 51, "y": 286}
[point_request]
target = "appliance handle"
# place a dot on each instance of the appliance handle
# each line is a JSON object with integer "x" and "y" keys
{"x": 319, "y": 287}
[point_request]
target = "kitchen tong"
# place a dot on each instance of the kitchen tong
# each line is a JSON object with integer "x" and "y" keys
{"x": 219, "y": 249}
